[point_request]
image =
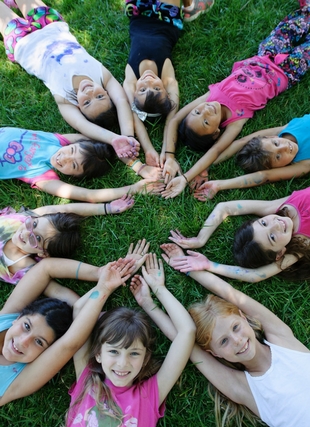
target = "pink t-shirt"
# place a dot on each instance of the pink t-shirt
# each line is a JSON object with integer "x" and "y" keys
{"x": 300, "y": 200}
{"x": 139, "y": 405}
{"x": 252, "y": 83}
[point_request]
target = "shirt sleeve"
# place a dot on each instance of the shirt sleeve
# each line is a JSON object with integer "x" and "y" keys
{"x": 50, "y": 175}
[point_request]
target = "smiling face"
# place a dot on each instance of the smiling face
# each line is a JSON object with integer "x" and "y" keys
{"x": 273, "y": 232}
{"x": 283, "y": 151}
{"x": 205, "y": 119}
{"x": 122, "y": 365}
{"x": 29, "y": 336}
{"x": 93, "y": 99}
{"x": 42, "y": 230}
{"x": 149, "y": 82}
{"x": 68, "y": 160}
{"x": 233, "y": 339}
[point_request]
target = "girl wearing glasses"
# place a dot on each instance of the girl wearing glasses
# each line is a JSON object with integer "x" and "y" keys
{"x": 26, "y": 238}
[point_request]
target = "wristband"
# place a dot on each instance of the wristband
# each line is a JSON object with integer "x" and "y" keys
{"x": 185, "y": 178}
{"x": 140, "y": 169}
{"x": 77, "y": 270}
{"x": 169, "y": 152}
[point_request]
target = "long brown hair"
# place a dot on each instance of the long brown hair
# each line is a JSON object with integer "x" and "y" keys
{"x": 204, "y": 315}
{"x": 119, "y": 325}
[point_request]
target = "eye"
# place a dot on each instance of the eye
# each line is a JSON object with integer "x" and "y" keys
{"x": 100, "y": 96}
{"x": 224, "y": 341}
{"x": 135, "y": 353}
{"x": 34, "y": 224}
{"x": 71, "y": 149}
{"x": 157, "y": 89}
{"x": 86, "y": 103}
{"x": 197, "y": 112}
{"x": 272, "y": 237}
{"x": 27, "y": 326}
{"x": 39, "y": 238}
{"x": 278, "y": 157}
{"x": 236, "y": 327}
{"x": 263, "y": 222}
{"x": 276, "y": 143}
{"x": 206, "y": 122}
{"x": 142, "y": 89}
{"x": 39, "y": 342}
{"x": 114, "y": 352}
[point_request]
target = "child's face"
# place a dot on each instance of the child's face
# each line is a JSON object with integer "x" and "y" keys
{"x": 122, "y": 365}
{"x": 233, "y": 339}
{"x": 41, "y": 228}
{"x": 205, "y": 119}
{"x": 283, "y": 150}
{"x": 93, "y": 99}
{"x": 27, "y": 338}
{"x": 149, "y": 82}
{"x": 68, "y": 160}
{"x": 273, "y": 232}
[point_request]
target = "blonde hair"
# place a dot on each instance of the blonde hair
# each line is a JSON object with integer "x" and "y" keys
{"x": 204, "y": 315}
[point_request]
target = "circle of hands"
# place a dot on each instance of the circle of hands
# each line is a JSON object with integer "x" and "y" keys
{"x": 116, "y": 273}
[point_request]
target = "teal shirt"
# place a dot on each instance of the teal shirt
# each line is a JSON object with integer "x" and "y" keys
{"x": 8, "y": 373}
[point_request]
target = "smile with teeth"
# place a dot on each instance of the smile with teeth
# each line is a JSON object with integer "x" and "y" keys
{"x": 244, "y": 349}
{"x": 15, "y": 348}
{"x": 121, "y": 374}
{"x": 283, "y": 224}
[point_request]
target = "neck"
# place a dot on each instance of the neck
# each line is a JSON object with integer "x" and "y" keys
{"x": 261, "y": 361}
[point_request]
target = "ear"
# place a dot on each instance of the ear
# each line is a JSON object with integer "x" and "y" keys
{"x": 43, "y": 254}
{"x": 98, "y": 358}
{"x": 216, "y": 134}
{"x": 214, "y": 354}
{"x": 242, "y": 315}
{"x": 280, "y": 254}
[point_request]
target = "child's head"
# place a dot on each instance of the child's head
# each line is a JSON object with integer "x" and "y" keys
{"x": 151, "y": 96}
{"x": 121, "y": 346}
{"x": 262, "y": 241}
{"x": 224, "y": 331}
{"x": 55, "y": 235}
{"x": 85, "y": 158}
{"x": 266, "y": 152}
{"x": 95, "y": 104}
{"x": 37, "y": 327}
{"x": 201, "y": 127}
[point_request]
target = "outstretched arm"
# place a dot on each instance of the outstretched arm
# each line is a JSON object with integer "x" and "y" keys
{"x": 238, "y": 144}
{"x": 220, "y": 213}
{"x": 198, "y": 262}
{"x": 182, "y": 344}
{"x": 38, "y": 279}
{"x": 211, "y": 188}
{"x": 73, "y": 192}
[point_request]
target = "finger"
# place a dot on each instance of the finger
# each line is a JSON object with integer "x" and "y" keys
{"x": 155, "y": 262}
{"x": 193, "y": 253}
{"x": 166, "y": 258}
{"x": 130, "y": 249}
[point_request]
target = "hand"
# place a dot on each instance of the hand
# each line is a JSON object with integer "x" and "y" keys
{"x": 151, "y": 172}
{"x": 153, "y": 272}
{"x": 120, "y": 205}
{"x": 141, "y": 291}
{"x": 125, "y": 146}
{"x": 152, "y": 158}
{"x": 138, "y": 253}
{"x": 185, "y": 242}
{"x": 115, "y": 274}
{"x": 199, "y": 180}
{"x": 171, "y": 168}
{"x": 150, "y": 186}
{"x": 194, "y": 262}
{"x": 172, "y": 251}
{"x": 175, "y": 187}
{"x": 206, "y": 191}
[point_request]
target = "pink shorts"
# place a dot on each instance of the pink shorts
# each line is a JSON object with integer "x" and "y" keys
{"x": 18, "y": 28}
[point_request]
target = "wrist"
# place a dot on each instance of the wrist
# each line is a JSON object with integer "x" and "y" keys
{"x": 148, "y": 304}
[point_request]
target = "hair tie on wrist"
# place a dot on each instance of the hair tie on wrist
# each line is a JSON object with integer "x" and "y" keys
{"x": 185, "y": 178}
{"x": 140, "y": 169}
{"x": 77, "y": 270}
{"x": 170, "y": 152}
{"x": 104, "y": 208}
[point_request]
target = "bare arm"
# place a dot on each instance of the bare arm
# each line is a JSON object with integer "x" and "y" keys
{"x": 38, "y": 278}
{"x": 183, "y": 342}
{"x": 220, "y": 213}
{"x": 68, "y": 191}
{"x": 240, "y": 143}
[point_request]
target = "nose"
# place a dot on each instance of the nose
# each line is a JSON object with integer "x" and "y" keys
{"x": 122, "y": 360}
{"x": 25, "y": 340}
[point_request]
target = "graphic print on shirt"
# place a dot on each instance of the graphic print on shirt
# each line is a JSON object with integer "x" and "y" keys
{"x": 15, "y": 153}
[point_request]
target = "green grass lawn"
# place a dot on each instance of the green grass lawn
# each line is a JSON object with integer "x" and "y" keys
{"x": 205, "y": 54}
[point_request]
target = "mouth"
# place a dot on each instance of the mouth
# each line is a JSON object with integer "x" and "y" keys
{"x": 15, "y": 349}
{"x": 244, "y": 348}
{"x": 58, "y": 161}
{"x": 21, "y": 238}
{"x": 121, "y": 374}
{"x": 84, "y": 85}
{"x": 212, "y": 107}
{"x": 283, "y": 224}
{"x": 290, "y": 147}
